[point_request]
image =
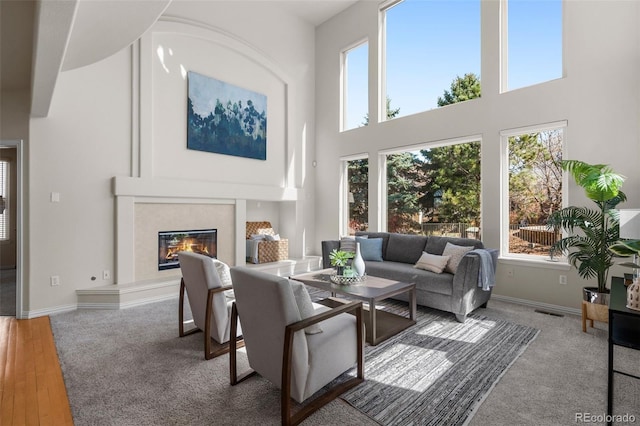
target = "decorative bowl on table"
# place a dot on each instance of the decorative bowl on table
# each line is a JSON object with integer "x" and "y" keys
{"x": 347, "y": 279}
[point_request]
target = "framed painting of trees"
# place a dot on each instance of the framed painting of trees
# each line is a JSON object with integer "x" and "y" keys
{"x": 225, "y": 119}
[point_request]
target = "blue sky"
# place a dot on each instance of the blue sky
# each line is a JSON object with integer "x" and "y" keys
{"x": 430, "y": 42}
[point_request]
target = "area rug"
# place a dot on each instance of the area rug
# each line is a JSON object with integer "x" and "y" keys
{"x": 439, "y": 371}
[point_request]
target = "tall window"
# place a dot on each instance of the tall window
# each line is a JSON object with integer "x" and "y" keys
{"x": 532, "y": 42}
{"x": 4, "y": 201}
{"x": 357, "y": 195}
{"x": 435, "y": 191}
{"x": 355, "y": 87}
{"x": 428, "y": 45}
{"x": 535, "y": 178}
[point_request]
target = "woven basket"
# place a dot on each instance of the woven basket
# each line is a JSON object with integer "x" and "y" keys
{"x": 268, "y": 251}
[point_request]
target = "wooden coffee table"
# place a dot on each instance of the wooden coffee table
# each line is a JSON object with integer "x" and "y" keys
{"x": 380, "y": 324}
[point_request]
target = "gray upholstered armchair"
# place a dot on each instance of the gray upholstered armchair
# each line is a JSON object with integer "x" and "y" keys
{"x": 277, "y": 318}
{"x": 207, "y": 282}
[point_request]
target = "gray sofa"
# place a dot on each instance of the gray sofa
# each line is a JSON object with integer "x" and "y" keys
{"x": 456, "y": 293}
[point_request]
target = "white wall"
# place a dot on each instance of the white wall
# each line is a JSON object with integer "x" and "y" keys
{"x": 598, "y": 97}
{"x": 75, "y": 151}
{"x": 95, "y": 132}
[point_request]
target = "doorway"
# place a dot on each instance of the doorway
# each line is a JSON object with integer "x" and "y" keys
{"x": 10, "y": 228}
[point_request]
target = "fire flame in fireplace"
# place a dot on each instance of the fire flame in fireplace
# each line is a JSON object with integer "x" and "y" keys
{"x": 187, "y": 244}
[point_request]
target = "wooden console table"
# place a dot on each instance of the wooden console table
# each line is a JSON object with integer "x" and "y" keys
{"x": 624, "y": 330}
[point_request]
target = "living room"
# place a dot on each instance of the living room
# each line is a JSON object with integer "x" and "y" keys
{"x": 107, "y": 143}
{"x": 140, "y": 155}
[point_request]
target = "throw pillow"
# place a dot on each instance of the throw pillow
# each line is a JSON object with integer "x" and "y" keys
{"x": 432, "y": 262}
{"x": 405, "y": 248}
{"x": 275, "y": 237}
{"x": 224, "y": 273}
{"x": 456, "y": 254}
{"x": 348, "y": 244}
{"x": 305, "y": 305}
{"x": 370, "y": 248}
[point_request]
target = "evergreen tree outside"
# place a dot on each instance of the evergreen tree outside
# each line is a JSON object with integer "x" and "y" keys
{"x": 404, "y": 178}
{"x": 454, "y": 181}
{"x": 452, "y": 187}
{"x": 358, "y": 179}
{"x": 462, "y": 89}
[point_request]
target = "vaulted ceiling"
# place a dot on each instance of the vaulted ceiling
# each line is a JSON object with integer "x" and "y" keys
{"x": 39, "y": 39}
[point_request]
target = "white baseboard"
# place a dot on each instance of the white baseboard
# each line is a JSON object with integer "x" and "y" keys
{"x": 540, "y": 305}
{"x": 49, "y": 311}
{"x": 135, "y": 303}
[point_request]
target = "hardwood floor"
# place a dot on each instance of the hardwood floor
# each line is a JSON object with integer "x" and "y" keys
{"x": 32, "y": 390}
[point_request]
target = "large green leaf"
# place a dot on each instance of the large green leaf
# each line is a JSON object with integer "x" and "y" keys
{"x": 599, "y": 181}
{"x": 626, "y": 248}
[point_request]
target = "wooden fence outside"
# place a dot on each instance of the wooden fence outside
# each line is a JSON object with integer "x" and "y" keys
{"x": 461, "y": 230}
{"x": 536, "y": 234}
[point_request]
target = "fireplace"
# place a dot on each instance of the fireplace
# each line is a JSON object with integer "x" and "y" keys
{"x": 170, "y": 243}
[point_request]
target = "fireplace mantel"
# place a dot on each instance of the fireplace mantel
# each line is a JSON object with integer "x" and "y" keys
{"x": 137, "y": 280}
{"x": 177, "y": 188}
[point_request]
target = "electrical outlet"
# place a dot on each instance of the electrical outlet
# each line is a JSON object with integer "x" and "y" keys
{"x": 106, "y": 274}
{"x": 55, "y": 280}
{"x": 562, "y": 279}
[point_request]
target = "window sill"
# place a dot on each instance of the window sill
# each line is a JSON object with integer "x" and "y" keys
{"x": 534, "y": 262}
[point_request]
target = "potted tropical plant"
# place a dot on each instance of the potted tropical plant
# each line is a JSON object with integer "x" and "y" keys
{"x": 340, "y": 259}
{"x": 591, "y": 232}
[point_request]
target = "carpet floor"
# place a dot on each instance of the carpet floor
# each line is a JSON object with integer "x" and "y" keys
{"x": 129, "y": 367}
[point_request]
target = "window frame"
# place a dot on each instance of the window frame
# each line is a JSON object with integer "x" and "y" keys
{"x": 344, "y": 83}
{"x": 562, "y": 261}
{"x": 382, "y": 60}
{"x": 383, "y": 188}
{"x": 504, "y": 48}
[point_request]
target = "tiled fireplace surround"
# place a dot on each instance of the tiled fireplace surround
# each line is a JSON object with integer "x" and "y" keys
{"x": 139, "y": 219}
{"x": 150, "y": 218}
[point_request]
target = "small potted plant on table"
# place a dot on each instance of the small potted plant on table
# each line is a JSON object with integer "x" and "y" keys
{"x": 340, "y": 259}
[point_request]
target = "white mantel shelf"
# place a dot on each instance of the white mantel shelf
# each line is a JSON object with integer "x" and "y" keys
{"x": 175, "y": 188}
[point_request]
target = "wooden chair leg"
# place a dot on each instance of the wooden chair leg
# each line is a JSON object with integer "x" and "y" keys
{"x": 233, "y": 348}
{"x": 211, "y": 349}
{"x": 181, "y": 310}
{"x": 181, "y": 331}
{"x": 207, "y": 326}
